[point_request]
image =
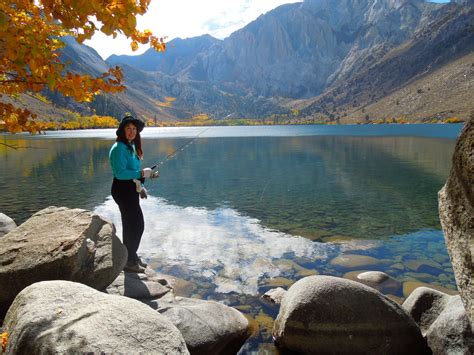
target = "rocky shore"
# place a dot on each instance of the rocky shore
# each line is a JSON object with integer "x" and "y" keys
{"x": 63, "y": 290}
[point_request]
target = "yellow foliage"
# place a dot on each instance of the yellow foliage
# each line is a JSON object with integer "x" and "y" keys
{"x": 200, "y": 117}
{"x": 453, "y": 120}
{"x": 168, "y": 102}
{"x": 80, "y": 122}
{"x": 30, "y": 49}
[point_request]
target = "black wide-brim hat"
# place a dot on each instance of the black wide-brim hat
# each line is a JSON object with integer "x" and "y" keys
{"x": 130, "y": 119}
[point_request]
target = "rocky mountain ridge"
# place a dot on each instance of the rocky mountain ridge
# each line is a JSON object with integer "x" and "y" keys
{"x": 319, "y": 60}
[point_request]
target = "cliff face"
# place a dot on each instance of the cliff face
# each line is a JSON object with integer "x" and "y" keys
{"x": 442, "y": 38}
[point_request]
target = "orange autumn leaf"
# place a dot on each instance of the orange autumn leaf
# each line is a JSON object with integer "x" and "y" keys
{"x": 4, "y": 337}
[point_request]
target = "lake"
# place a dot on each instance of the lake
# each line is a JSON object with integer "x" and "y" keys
{"x": 246, "y": 209}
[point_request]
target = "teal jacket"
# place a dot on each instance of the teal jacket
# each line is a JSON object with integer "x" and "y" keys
{"x": 125, "y": 164}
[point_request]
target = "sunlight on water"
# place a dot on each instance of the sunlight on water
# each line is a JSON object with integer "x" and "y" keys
{"x": 231, "y": 250}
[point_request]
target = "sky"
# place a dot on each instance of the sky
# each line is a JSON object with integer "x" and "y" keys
{"x": 189, "y": 18}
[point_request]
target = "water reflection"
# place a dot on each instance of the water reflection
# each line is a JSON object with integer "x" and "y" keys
{"x": 231, "y": 251}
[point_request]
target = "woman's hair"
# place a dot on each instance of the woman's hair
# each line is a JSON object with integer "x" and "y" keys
{"x": 137, "y": 141}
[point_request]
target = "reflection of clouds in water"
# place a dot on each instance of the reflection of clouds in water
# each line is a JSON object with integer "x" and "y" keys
{"x": 232, "y": 250}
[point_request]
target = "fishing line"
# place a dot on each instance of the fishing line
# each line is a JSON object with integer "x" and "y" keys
{"x": 178, "y": 150}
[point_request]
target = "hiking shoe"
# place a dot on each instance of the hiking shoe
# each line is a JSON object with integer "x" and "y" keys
{"x": 132, "y": 266}
{"x": 141, "y": 262}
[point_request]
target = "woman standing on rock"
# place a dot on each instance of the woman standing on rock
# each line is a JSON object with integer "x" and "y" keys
{"x": 125, "y": 158}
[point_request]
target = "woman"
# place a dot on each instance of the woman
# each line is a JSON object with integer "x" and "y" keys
{"x": 125, "y": 158}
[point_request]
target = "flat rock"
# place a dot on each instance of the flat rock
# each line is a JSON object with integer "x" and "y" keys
{"x": 139, "y": 286}
{"x": 59, "y": 244}
{"x": 324, "y": 314}
{"x": 66, "y": 317}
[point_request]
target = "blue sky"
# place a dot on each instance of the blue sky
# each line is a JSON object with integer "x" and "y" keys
{"x": 189, "y": 18}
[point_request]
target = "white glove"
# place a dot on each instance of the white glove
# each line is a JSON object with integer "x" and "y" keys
{"x": 146, "y": 173}
{"x": 138, "y": 185}
{"x": 155, "y": 175}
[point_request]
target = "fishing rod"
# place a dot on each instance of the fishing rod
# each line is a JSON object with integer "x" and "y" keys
{"x": 139, "y": 184}
{"x": 177, "y": 150}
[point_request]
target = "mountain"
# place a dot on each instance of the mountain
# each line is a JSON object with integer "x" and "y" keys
{"x": 446, "y": 37}
{"x": 178, "y": 56}
{"x": 297, "y": 49}
{"x": 323, "y": 60}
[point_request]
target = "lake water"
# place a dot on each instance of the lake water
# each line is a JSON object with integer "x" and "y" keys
{"x": 246, "y": 209}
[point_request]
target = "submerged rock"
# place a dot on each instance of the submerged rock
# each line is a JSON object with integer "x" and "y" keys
{"x": 424, "y": 266}
{"x": 376, "y": 279}
{"x": 442, "y": 320}
{"x": 410, "y": 286}
{"x": 456, "y": 212}
{"x": 59, "y": 244}
{"x": 324, "y": 314}
{"x": 6, "y": 224}
{"x": 208, "y": 327}
{"x": 350, "y": 261}
{"x": 67, "y": 317}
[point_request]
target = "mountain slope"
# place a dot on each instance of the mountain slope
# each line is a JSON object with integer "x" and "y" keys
{"x": 447, "y": 37}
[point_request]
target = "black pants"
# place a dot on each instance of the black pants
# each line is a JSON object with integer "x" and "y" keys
{"x": 127, "y": 198}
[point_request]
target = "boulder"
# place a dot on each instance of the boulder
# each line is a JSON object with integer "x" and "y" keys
{"x": 275, "y": 295}
{"x": 456, "y": 213}
{"x": 6, "y": 224}
{"x": 66, "y": 317}
{"x": 59, "y": 244}
{"x": 208, "y": 327}
{"x": 442, "y": 320}
{"x": 324, "y": 314}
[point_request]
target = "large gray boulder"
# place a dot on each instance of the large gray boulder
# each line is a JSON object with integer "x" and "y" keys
{"x": 456, "y": 213}
{"x": 442, "y": 320}
{"x": 59, "y": 244}
{"x": 208, "y": 327}
{"x": 66, "y": 317}
{"x": 6, "y": 224}
{"x": 324, "y": 314}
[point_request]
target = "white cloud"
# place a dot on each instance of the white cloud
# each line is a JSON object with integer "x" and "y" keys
{"x": 188, "y": 18}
